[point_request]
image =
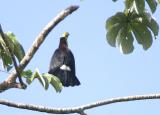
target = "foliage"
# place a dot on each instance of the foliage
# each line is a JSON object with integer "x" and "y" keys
{"x": 134, "y": 23}
{"x": 45, "y": 79}
{"x": 16, "y": 47}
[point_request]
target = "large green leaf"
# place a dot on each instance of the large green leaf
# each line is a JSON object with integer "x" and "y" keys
{"x": 5, "y": 55}
{"x": 142, "y": 35}
{"x": 29, "y": 79}
{"x": 152, "y": 4}
{"x": 139, "y": 6}
{"x": 40, "y": 78}
{"x": 125, "y": 40}
{"x": 129, "y": 4}
{"x": 121, "y": 34}
{"x": 112, "y": 34}
{"x": 27, "y": 73}
{"x": 146, "y": 19}
{"x": 54, "y": 81}
{"x": 6, "y": 59}
{"x": 151, "y": 23}
{"x": 126, "y": 45}
{"x": 18, "y": 49}
{"x": 113, "y": 25}
{"x": 47, "y": 81}
{"x": 119, "y": 17}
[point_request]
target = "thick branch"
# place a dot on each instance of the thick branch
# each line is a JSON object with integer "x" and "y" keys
{"x": 36, "y": 44}
{"x": 79, "y": 109}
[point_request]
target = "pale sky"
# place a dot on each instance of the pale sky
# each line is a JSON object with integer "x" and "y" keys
{"x": 103, "y": 71}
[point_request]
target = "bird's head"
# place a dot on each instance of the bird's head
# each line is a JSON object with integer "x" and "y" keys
{"x": 63, "y": 40}
{"x": 65, "y": 35}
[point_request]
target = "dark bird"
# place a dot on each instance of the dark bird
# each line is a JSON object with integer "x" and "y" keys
{"x": 62, "y": 63}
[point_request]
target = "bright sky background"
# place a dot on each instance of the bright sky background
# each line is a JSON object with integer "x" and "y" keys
{"x": 103, "y": 71}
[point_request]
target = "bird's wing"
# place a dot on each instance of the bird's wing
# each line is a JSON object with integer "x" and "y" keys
{"x": 71, "y": 61}
{"x": 56, "y": 61}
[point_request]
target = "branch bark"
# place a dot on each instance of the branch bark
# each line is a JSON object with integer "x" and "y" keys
{"x": 79, "y": 109}
{"x": 8, "y": 83}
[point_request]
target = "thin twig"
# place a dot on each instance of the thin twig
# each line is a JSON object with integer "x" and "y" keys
{"x": 79, "y": 109}
{"x": 82, "y": 113}
{"x": 36, "y": 44}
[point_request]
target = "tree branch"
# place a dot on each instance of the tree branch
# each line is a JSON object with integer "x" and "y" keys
{"x": 36, "y": 44}
{"x": 78, "y": 109}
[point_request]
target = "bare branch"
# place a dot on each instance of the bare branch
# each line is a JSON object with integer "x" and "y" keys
{"x": 6, "y": 85}
{"x": 36, "y": 44}
{"x": 79, "y": 109}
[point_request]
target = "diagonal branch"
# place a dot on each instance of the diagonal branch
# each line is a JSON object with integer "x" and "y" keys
{"x": 8, "y": 83}
{"x": 78, "y": 109}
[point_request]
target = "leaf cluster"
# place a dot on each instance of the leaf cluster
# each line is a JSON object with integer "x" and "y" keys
{"x": 45, "y": 79}
{"x": 16, "y": 47}
{"x": 134, "y": 23}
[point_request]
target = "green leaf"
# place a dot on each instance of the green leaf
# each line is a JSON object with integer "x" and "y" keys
{"x": 18, "y": 49}
{"x": 6, "y": 59}
{"x": 126, "y": 45}
{"x": 121, "y": 34}
{"x": 139, "y": 6}
{"x": 47, "y": 81}
{"x": 40, "y": 78}
{"x": 142, "y": 34}
{"x": 113, "y": 25}
{"x": 125, "y": 40}
{"x": 119, "y": 17}
{"x": 29, "y": 79}
{"x": 112, "y": 34}
{"x": 4, "y": 54}
{"x": 129, "y": 4}
{"x": 9, "y": 41}
{"x": 146, "y": 19}
{"x": 152, "y": 4}
{"x": 48, "y": 76}
{"x": 27, "y": 73}
{"x": 54, "y": 81}
{"x": 151, "y": 23}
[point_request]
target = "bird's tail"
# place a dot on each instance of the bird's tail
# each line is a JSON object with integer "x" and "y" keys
{"x": 71, "y": 81}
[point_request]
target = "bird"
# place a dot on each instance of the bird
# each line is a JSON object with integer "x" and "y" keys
{"x": 62, "y": 64}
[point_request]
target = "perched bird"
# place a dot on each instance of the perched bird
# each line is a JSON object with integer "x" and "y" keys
{"x": 62, "y": 63}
